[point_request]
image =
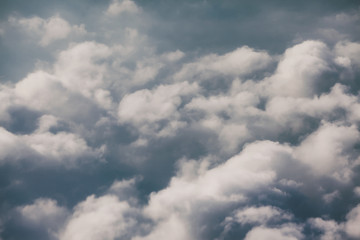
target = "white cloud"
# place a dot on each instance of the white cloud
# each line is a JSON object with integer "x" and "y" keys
{"x": 128, "y": 83}
{"x": 62, "y": 147}
{"x": 146, "y": 71}
{"x": 146, "y": 108}
{"x": 47, "y": 148}
{"x": 79, "y": 68}
{"x": 283, "y": 110}
{"x": 48, "y": 30}
{"x": 331, "y": 230}
{"x": 349, "y": 53}
{"x": 173, "y": 56}
{"x": 232, "y": 130}
{"x": 100, "y": 218}
{"x": 357, "y": 191}
{"x": 286, "y": 232}
{"x": 44, "y": 213}
{"x": 174, "y": 226}
{"x": 325, "y": 150}
{"x": 330, "y": 197}
{"x": 42, "y": 91}
{"x": 11, "y": 147}
{"x": 226, "y": 184}
{"x": 45, "y": 122}
{"x": 118, "y": 7}
{"x": 299, "y": 71}
{"x": 239, "y": 62}
{"x": 353, "y": 222}
{"x": 125, "y": 190}
{"x": 76, "y": 77}
{"x": 225, "y": 103}
{"x": 286, "y": 110}
{"x": 232, "y": 135}
{"x": 259, "y": 215}
{"x": 6, "y": 99}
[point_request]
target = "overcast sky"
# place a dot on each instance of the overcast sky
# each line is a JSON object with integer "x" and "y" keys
{"x": 181, "y": 120}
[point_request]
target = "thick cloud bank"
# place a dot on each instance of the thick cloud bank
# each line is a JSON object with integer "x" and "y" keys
{"x": 120, "y": 129}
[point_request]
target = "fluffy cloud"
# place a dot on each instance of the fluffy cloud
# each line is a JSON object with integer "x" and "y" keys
{"x": 248, "y": 143}
{"x": 352, "y": 222}
{"x": 80, "y": 75}
{"x": 76, "y": 75}
{"x": 348, "y": 53}
{"x": 239, "y": 62}
{"x": 48, "y": 30}
{"x": 151, "y": 106}
{"x": 146, "y": 109}
{"x": 338, "y": 140}
{"x": 11, "y": 148}
{"x": 174, "y": 226}
{"x": 330, "y": 229}
{"x": 357, "y": 191}
{"x": 44, "y": 212}
{"x": 299, "y": 71}
{"x": 100, "y": 218}
{"x": 49, "y": 148}
{"x": 40, "y": 90}
{"x": 333, "y": 230}
{"x": 194, "y": 193}
{"x": 6, "y": 97}
{"x": 287, "y": 232}
{"x": 227, "y": 115}
{"x": 121, "y": 6}
{"x": 79, "y": 69}
{"x": 259, "y": 215}
{"x": 287, "y": 109}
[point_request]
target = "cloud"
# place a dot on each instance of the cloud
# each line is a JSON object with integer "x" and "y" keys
{"x": 287, "y": 109}
{"x": 348, "y": 53}
{"x": 239, "y": 62}
{"x": 191, "y": 196}
{"x": 100, "y": 218}
{"x": 11, "y": 148}
{"x": 79, "y": 69}
{"x": 338, "y": 140}
{"x": 47, "y": 148}
{"x": 6, "y": 97}
{"x": 249, "y": 137}
{"x": 330, "y": 229}
{"x": 44, "y": 212}
{"x": 333, "y": 230}
{"x": 147, "y": 108}
{"x": 174, "y": 56}
{"x": 357, "y": 191}
{"x": 260, "y": 215}
{"x": 287, "y": 232}
{"x": 352, "y": 222}
{"x": 236, "y": 106}
{"x": 298, "y": 73}
{"x": 40, "y": 90}
{"x": 118, "y": 7}
{"x": 125, "y": 190}
{"x": 175, "y": 226}
{"x": 48, "y": 30}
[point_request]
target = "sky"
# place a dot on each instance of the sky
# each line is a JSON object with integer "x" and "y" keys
{"x": 182, "y": 120}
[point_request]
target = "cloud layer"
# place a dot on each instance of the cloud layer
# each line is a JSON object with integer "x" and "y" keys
{"x": 118, "y": 132}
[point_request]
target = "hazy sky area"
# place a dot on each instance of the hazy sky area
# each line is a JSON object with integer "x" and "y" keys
{"x": 180, "y": 120}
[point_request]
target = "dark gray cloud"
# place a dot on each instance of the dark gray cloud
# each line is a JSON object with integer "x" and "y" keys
{"x": 192, "y": 120}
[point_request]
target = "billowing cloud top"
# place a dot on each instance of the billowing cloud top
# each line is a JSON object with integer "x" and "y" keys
{"x": 179, "y": 120}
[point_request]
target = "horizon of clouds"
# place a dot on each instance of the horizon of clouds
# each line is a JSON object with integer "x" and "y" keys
{"x": 111, "y": 130}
